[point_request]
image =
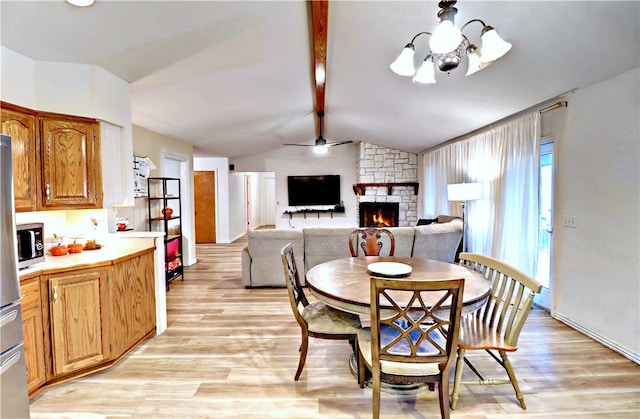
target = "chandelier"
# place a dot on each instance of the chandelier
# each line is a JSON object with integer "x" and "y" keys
{"x": 448, "y": 46}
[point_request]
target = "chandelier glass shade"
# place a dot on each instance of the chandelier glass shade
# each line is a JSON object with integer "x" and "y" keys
{"x": 448, "y": 46}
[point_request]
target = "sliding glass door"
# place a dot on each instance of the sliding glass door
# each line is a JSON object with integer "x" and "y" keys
{"x": 545, "y": 223}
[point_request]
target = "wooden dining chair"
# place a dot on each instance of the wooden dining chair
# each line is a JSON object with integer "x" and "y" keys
{"x": 315, "y": 319}
{"x": 370, "y": 240}
{"x": 497, "y": 325}
{"x": 414, "y": 345}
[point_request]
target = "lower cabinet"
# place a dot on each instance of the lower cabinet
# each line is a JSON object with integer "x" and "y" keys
{"x": 131, "y": 302}
{"x": 33, "y": 331}
{"x": 79, "y": 321}
{"x": 79, "y": 318}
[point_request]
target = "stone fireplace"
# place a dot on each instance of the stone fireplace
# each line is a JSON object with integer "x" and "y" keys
{"x": 387, "y": 176}
{"x": 379, "y": 214}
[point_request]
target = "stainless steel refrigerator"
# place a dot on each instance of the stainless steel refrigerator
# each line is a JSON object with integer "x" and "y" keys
{"x": 14, "y": 401}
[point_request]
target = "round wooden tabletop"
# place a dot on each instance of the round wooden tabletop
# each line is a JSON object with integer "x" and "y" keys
{"x": 345, "y": 283}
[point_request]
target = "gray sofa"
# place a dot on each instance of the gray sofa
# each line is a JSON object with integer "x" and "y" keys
{"x": 262, "y": 265}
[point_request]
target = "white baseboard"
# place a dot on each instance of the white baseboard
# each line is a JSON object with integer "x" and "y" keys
{"x": 598, "y": 338}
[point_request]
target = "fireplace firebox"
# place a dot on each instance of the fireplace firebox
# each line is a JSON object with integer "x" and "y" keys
{"x": 379, "y": 214}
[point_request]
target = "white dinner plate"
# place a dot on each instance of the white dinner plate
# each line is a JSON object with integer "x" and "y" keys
{"x": 390, "y": 269}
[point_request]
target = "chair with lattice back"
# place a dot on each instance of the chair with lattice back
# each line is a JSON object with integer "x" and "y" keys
{"x": 370, "y": 240}
{"x": 413, "y": 335}
{"x": 497, "y": 325}
{"x": 315, "y": 319}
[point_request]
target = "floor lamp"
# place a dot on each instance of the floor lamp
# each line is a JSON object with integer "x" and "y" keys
{"x": 464, "y": 192}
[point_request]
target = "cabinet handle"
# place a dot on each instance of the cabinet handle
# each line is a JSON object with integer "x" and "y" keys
{"x": 55, "y": 294}
{"x": 47, "y": 192}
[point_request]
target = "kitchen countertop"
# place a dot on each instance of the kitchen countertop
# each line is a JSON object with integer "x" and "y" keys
{"x": 113, "y": 250}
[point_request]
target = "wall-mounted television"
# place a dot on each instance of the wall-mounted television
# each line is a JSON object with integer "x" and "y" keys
{"x": 313, "y": 190}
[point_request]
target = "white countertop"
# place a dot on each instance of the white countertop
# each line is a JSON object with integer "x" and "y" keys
{"x": 113, "y": 249}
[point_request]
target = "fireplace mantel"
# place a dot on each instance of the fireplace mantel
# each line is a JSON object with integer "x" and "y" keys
{"x": 359, "y": 188}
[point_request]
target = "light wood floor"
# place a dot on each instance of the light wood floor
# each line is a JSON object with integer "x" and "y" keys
{"x": 232, "y": 352}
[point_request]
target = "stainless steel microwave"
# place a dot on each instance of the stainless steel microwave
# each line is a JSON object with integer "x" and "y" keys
{"x": 30, "y": 239}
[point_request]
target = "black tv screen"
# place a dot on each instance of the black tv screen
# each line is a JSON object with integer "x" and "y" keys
{"x": 314, "y": 190}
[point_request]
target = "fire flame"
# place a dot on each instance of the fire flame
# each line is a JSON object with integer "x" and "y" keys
{"x": 380, "y": 221}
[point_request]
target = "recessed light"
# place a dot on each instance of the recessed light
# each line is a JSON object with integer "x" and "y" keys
{"x": 80, "y": 3}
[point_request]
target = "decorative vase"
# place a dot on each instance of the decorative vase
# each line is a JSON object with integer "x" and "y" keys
{"x": 167, "y": 212}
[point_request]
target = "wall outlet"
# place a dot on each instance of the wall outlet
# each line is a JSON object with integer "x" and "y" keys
{"x": 569, "y": 221}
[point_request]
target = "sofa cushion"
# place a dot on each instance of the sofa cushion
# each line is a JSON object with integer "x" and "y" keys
{"x": 404, "y": 237}
{"x": 437, "y": 241}
{"x": 266, "y": 264}
{"x": 323, "y": 244}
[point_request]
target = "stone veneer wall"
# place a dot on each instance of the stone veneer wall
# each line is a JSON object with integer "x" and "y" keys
{"x": 383, "y": 165}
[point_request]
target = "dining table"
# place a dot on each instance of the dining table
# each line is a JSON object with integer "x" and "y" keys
{"x": 345, "y": 283}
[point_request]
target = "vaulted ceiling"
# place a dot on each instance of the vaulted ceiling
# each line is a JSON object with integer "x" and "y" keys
{"x": 237, "y": 78}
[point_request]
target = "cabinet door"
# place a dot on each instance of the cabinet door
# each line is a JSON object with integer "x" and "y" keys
{"x": 132, "y": 302}
{"x": 21, "y": 127}
{"x": 33, "y": 332}
{"x": 79, "y": 329}
{"x": 70, "y": 163}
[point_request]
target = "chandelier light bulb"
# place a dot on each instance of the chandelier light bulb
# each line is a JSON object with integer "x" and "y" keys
{"x": 403, "y": 65}
{"x": 445, "y": 38}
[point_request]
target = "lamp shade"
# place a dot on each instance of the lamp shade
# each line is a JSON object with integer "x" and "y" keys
{"x": 475, "y": 63}
{"x": 464, "y": 191}
{"x": 446, "y": 38}
{"x": 403, "y": 65}
{"x": 493, "y": 47}
{"x": 425, "y": 73}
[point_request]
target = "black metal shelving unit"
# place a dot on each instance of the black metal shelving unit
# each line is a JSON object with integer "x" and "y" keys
{"x": 164, "y": 192}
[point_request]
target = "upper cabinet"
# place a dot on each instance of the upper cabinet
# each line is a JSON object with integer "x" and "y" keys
{"x": 71, "y": 174}
{"x": 21, "y": 126}
{"x": 56, "y": 159}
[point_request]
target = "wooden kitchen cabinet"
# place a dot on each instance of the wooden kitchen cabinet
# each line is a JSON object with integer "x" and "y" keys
{"x": 131, "y": 302}
{"x": 20, "y": 124}
{"x": 56, "y": 159}
{"x": 33, "y": 331}
{"x": 79, "y": 319}
{"x": 70, "y": 159}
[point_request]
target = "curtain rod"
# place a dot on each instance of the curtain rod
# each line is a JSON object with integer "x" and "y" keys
{"x": 556, "y": 105}
{"x": 561, "y": 104}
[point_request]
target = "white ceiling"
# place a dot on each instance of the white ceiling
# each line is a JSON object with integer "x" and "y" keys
{"x": 234, "y": 78}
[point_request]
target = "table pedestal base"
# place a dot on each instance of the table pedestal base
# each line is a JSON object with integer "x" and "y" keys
{"x": 392, "y": 388}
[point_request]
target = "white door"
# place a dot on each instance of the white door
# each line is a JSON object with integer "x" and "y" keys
{"x": 545, "y": 224}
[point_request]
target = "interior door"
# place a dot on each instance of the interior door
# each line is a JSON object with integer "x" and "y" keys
{"x": 545, "y": 224}
{"x": 205, "y": 206}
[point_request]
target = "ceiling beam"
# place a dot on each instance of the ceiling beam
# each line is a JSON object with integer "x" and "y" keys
{"x": 319, "y": 25}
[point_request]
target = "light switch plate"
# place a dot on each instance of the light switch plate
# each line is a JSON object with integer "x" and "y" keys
{"x": 569, "y": 221}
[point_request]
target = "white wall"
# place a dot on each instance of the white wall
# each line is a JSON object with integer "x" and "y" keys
{"x": 219, "y": 165}
{"x": 237, "y": 209}
{"x": 341, "y": 160}
{"x": 74, "y": 89}
{"x": 597, "y": 264}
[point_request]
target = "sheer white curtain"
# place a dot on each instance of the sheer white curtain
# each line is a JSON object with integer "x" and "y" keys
{"x": 504, "y": 222}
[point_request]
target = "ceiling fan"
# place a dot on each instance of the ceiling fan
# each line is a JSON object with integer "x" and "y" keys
{"x": 321, "y": 144}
